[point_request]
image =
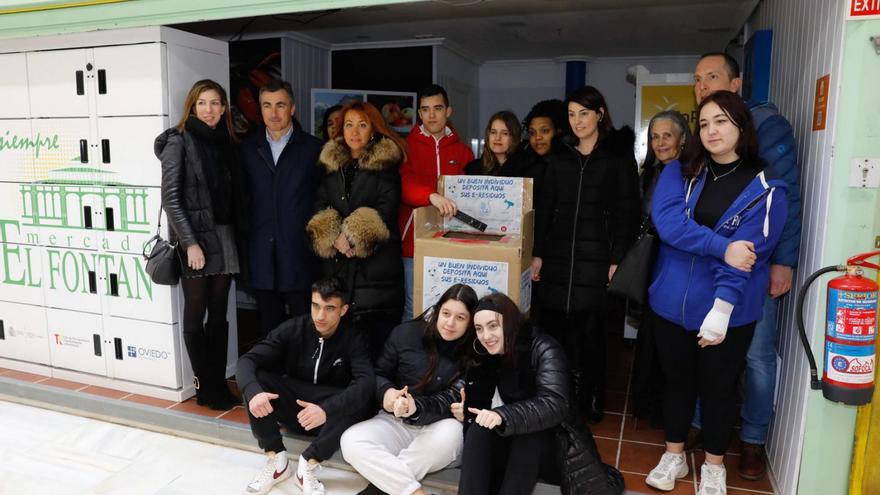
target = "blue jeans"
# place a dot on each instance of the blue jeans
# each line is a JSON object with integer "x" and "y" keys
{"x": 408, "y": 267}
{"x": 760, "y": 381}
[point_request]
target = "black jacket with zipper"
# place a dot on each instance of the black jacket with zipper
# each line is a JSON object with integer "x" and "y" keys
{"x": 587, "y": 219}
{"x": 296, "y": 350}
{"x": 404, "y": 362}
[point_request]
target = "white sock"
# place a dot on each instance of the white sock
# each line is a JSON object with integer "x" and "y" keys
{"x": 280, "y": 460}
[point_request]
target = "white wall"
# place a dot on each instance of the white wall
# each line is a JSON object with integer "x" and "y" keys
{"x": 805, "y": 47}
{"x": 305, "y": 65}
{"x": 518, "y": 84}
{"x": 460, "y": 76}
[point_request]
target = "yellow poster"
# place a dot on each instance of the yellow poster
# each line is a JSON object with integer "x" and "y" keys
{"x": 657, "y": 98}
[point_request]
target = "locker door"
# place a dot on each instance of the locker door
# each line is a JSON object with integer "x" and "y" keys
{"x": 20, "y": 207}
{"x": 23, "y": 333}
{"x": 144, "y": 352}
{"x": 130, "y": 80}
{"x": 18, "y": 146}
{"x": 59, "y": 83}
{"x": 131, "y": 215}
{"x": 21, "y": 274}
{"x": 76, "y": 341}
{"x": 74, "y": 278}
{"x": 14, "y": 86}
{"x": 131, "y": 293}
{"x": 74, "y": 156}
{"x": 126, "y": 149}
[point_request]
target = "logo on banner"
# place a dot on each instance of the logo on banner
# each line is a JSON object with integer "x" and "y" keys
{"x": 132, "y": 351}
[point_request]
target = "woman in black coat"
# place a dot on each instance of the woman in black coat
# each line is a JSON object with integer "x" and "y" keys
{"x": 354, "y": 229}
{"x": 516, "y": 395}
{"x": 587, "y": 219}
{"x": 199, "y": 170}
{"x": 418, "y": 377}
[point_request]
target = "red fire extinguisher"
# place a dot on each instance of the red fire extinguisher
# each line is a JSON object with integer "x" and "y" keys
{"x": 850, "y": 332}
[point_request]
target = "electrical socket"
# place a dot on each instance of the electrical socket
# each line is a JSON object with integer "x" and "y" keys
{"x": 864, "y": 172}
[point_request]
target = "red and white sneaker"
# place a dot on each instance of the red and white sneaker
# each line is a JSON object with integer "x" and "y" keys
{"x": 307, "y": 477}
{"x": 276, "y": 470}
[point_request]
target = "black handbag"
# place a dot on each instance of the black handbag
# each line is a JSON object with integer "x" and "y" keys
{"x": 633, "y": 274}
{"x": 163, "y": 262}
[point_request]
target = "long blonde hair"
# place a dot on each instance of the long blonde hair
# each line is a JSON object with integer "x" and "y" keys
{"x": 189, "y": 105}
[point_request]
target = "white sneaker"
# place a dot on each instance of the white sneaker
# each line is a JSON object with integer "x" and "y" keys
{"x": 276, "y": 470}
{"x": 713, "y": 479}
{"x": 307, "y": 477}
{"x": 671, "y": 467}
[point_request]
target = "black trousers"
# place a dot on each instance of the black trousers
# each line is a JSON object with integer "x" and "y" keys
{"x": 647, "y": 378}
{"x": 376, "y": 326}
{"x": 583, "y": 337}
{"x": 709, "y": 372}
{"x": 275, "y": 307}
{"x": 506, "y": 465}
{"x": 285, "y": 409}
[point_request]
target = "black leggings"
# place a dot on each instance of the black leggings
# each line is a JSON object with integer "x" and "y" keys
{"x": 506, "y": 465}
{"x": 582, "y": 335}
{"x": 201, "y": 294}
{"x": 708, "y": 372}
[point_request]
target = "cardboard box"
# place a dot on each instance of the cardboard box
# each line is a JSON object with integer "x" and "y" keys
{"x": 448, "y": 251}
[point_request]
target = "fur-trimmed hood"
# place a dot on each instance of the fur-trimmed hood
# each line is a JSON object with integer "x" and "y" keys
{"x": 379, "y": 155}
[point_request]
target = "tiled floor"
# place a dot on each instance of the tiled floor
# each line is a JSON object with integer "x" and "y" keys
{"x": 624, "y": 441}
{"x": 634, "y": 447}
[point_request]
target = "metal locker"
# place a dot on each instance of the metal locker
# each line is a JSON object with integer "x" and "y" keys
{"x": 23, "y": 333}
{"x": 130, "y": 80}
{"x": 131, "y": 294}
{"x": 144, "y": 352}
{"x": 58, "y": 83}
{"x": 14, "y": 86}
{"x": 76, "y": 341}
{"x": 125, "y": 149}
{"x": 18, "y": 147}
{"x": 75, "y": 278}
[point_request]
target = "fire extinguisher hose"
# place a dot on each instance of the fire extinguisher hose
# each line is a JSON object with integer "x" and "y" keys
{"x": 814, "y": 374}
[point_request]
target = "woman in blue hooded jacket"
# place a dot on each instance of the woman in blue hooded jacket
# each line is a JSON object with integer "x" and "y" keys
{"x": 719, "y": 216}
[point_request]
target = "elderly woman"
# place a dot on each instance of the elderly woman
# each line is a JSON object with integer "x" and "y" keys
{"x": 668, "y": 134}
{"x": 354, "y": 229}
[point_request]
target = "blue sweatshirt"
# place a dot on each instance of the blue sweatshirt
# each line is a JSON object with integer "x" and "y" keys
{"x": 690, "y": 271}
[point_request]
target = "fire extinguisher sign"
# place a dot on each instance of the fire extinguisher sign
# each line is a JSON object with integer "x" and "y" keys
{"x": 852, "y": 316}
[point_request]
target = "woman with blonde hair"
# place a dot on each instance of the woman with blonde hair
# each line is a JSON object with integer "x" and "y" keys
{"x": 199, "y": 171}
{"x": 354, "y": 229}
{"x": 503, "y": 135}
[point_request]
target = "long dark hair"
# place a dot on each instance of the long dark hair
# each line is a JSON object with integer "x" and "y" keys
{"x": 326, "y": 121}
{"x": 746, "y": 146}
{"x": 489, "y": 160}
{"x": 590, "y": 97}
{"x": 431, "y": 337}
{"x": 513, "y": 322}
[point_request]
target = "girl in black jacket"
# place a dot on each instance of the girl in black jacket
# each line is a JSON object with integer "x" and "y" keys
{"x": 417, "y": 380}
{"x": 516, "y": 395}
{"x": 354, "y": 229}
{"x": 199, "y": 170}
{"x": 503, "y": 134}
{"x": 587, "y": 219}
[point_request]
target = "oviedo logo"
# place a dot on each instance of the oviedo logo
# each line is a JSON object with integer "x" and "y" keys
{"x": 146, "y": 353}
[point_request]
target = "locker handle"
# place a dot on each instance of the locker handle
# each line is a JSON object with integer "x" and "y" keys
{"x": 80, "y": 83}
{"x": 96, "y": 342}
{"x": 117, "y": 346}
{"x": 93, "y": 282}
{"x": 84, "y": 150}
{"x": 114, "y": 284}
{"x": 102, "y": 81}
{"x": 111, "y": 226}
{"x": 105, "y": 150}
{"x": 87, "y": 217}
{"x": 2, "y": 331}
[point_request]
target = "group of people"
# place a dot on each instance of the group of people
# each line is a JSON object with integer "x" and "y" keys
{"x": 474, "y": 382}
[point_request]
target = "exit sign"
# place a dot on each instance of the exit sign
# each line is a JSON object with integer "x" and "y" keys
{"x": 864, "y": 8}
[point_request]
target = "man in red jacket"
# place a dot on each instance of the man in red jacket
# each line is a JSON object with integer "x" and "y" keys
{"x": 433, "y": 150}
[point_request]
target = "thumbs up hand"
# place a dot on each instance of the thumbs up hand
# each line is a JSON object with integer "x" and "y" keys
{"x": 457, "y": 408}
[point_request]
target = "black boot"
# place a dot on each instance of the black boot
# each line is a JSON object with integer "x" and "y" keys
{"x": 196, "y": 349}
{"x": 596, "y": 411}
{"x": 219, "y": 396}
